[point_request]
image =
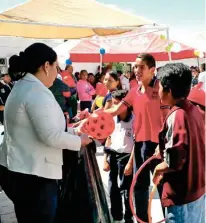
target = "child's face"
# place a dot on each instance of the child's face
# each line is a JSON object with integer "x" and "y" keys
{"x": 102, "y": 79}
{"x": 165, "y": 97}
{"x": 110, "y": 82}
{"x": 84, "y": 76}
{"x": 91, "y": 79}
{"x": 142, "y": 72}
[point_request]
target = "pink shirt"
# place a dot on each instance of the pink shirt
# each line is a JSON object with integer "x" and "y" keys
{"x": 133, "y": 83}
{"x": 101, "y": 89}
{"x": 68, "y": 79}
{"x": 148, "y": 115}
{"x": 85, "y": 90}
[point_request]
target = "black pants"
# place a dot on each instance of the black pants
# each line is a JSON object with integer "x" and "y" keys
{"x": 34, "y": 198}
{"x": 85, "y": 104}
{"x": 142, "y": 152}
{"x": 118, "y": 161}
{"x": 2, "y": 117}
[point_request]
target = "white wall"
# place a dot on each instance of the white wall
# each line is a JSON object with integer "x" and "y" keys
{"x": 90, "y": 67}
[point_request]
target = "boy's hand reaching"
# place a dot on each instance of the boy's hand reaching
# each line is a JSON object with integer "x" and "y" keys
{"x": 157, "y": 152}
{"x": 106, "y": 167}
{"x": 128, "y": 169}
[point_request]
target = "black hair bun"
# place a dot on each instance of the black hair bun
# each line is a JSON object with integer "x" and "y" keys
{"x": 16, "y": 67}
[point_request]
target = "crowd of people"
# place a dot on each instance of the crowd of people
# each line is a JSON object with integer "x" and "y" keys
{"x": 155, "y": 112}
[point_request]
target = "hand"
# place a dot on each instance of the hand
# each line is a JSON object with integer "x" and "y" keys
{"x": 128, "y": 169}
{"x": 81, "y": 128}
{"x": 106, "y": 167}
{"x": 157, "y": 152}
{"x": 85, "y": 140}
{"x": 157, "y": 176}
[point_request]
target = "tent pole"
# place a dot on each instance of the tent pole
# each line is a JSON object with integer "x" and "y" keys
{"x": 168, "y": 42}
{"x": 198, "y": 62}
{"x": 100, "y": 70}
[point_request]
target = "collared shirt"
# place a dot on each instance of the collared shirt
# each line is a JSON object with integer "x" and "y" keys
{"x": 147, "y": 111}
{"x": 122, "y": 139}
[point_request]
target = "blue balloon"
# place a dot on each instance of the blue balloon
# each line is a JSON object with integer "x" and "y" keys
{"x": 68, "y": 62}
{"x": 102, "y": 51}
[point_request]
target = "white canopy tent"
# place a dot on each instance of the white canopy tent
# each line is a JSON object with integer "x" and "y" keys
{"x": 13, "y": 45}
{"x": 66, "y": 19}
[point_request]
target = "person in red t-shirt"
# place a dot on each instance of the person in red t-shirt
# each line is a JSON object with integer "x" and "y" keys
{"x": 145, "y": 101}
{"x": 181, "y": 148}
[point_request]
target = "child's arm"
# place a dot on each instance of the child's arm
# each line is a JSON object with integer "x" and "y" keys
{"x": 129, "y": 167}
{"x": 106, "y": 166}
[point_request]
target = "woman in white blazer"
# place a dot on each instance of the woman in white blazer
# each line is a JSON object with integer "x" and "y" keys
{"x": 34, "y": 136}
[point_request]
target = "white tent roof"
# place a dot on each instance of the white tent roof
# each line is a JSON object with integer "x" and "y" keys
{"x": 194, "y": 40}
{"x": 13, "y": 45}
{"x": 66, "y": 19}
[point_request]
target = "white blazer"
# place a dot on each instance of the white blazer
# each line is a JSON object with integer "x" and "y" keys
{"x": 34, "y": 131}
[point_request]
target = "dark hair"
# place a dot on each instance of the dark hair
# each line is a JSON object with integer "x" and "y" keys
{"x": 202, "y": 66}
{"x": 176, "y": 77}
{"x": 67, "y": 66}
{"x": 76, "y": 75}
{"x": 119, "y": 72}
{"x": 90, "y": 74}
{"x": 148, "y": 59}
{"x": 158, "y": 69}
{"x": 82, "y": 71}
{"x": 132, "y": 76}
{"x": 116, "y": 78}
{"x": 30, "y": 60}
{"x": 98, "y": 77}
{"x": 119, "y": 94}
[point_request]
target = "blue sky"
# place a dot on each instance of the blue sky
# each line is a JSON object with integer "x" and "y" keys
{"x": 183, "y": 14}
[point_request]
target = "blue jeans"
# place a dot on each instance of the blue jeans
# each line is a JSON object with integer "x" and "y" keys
{"x": 34, "y": 198}
{"x": 193, "y": 212}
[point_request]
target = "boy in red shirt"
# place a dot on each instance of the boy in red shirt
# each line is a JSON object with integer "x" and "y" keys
{"x": 182, "y": 149}
{"x": 145, "y": 101}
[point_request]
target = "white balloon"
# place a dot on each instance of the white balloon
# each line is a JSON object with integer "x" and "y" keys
{"x": 176, "y": 48}
{"x": 201, "y": 55}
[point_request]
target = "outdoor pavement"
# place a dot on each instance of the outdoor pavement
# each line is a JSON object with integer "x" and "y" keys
{"x": 7, "y": 214}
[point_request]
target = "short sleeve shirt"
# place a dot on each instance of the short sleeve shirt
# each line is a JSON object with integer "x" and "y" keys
{"x": 147, "y": 112}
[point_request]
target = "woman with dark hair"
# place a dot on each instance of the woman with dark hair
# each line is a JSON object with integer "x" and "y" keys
{"x": 34, "y": 136}
{"x": 112, "y": 82}
{"x": 77, "y": 76}
{"x": 91, "y": 79}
